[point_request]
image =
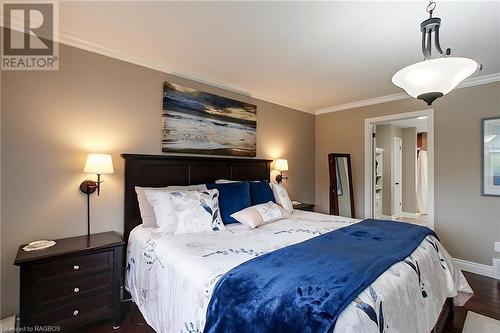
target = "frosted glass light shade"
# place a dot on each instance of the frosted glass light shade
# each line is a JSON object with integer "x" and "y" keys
{"x": 281, "y": 165}
{"x": 99, "y": 164}
{"x": 431, "y": 79}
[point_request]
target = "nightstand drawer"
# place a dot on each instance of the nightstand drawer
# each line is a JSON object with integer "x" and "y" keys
{"x": 76, "y": 312}
{"x": 73, "y": 268}
{"x": 72, "y": 291}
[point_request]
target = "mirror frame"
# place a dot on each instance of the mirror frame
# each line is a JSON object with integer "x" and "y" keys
{"x": 334, "y": 200}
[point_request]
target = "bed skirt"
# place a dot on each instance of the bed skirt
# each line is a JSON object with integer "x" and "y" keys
{"x": 446, "y": 313}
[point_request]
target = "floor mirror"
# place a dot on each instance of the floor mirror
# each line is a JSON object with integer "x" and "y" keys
{"x": 341, "y": 193}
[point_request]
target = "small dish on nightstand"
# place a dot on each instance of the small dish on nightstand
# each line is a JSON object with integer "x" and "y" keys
{"x": 39, "y": 245}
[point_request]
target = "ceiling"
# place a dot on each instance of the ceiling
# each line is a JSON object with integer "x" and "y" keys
{"x": 419, "y": 124}
{"x": 306, "y": 55}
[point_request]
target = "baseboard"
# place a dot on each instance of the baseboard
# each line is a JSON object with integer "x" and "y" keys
{"x": 403, "y": 215}
{"x": 410, "y": 215}
{"x": 474, "y": 267}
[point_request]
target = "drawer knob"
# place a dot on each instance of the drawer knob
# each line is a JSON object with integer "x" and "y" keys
{"x": 76, "y": 289}
{"x": 75, "y": 313}
{"x": 76, "y": 267}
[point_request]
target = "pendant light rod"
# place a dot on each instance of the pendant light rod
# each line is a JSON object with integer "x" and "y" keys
{"x": 438, "y": 45}
{"x": 427, "y": 27}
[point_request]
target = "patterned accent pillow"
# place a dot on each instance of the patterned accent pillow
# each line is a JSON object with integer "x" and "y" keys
{"x": 260, "y": 214}
{"x": 196, "y": 211}
{"x": 282, "y": 198}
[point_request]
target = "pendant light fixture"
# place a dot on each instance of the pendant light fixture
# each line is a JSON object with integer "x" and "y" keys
{"x": 433, "y": 78}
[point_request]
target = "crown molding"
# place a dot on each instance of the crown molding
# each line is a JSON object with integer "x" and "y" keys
{"x": 479, "y": 80}
{"x": 365, "y": 102}
{"x": 470, "y": 82}
{"x": 83, "y": 44}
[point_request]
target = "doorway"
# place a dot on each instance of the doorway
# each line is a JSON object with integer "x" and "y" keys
{"x": 399, "y": 170}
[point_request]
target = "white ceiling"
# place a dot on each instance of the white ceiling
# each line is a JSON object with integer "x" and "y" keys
{"x": 300, "y": 54}
{"x": 419, "y": 124}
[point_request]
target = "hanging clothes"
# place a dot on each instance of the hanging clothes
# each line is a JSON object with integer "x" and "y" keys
{"x": 422, "y": 182}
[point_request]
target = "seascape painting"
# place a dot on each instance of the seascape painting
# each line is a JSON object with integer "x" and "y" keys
{"x": 197, "y": 122}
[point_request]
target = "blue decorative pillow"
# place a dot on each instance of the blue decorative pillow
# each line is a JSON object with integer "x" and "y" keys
{"x": 261, "y": 192}
{"x": 233, "y": 197}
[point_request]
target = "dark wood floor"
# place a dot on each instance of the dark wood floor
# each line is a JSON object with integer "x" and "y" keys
{"x": 486, "y": 301}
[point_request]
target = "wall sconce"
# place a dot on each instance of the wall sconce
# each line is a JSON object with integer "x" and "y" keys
{"x": 281, "y": 165}
{"x": 98, "y": 164}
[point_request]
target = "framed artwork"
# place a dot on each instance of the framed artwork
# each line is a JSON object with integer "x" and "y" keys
{"x": 490, "y": 140}
{"x": 198, "y": 122}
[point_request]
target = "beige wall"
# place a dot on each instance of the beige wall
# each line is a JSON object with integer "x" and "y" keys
{"x": 51, "y": 120}
{"x": 409, "y": 170}
{"x": 467, "y": 222}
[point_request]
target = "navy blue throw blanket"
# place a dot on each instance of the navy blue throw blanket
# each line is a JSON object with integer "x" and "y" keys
{"x": 304, "y": 287}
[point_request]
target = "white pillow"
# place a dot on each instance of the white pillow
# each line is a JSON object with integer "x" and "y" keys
{"x": 159, "y": 199}
{"x": 196, "y": 211}
{"x": 261, "y": 214}
{"x": 281, "y": 197}
{"x": 147, "y": 212}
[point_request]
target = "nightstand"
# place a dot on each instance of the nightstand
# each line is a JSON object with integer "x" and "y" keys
{"x": 304, "y": 206}
{"x": 73, "y": 283}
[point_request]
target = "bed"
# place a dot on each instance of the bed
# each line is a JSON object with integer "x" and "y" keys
{"x": 172, "y": 278}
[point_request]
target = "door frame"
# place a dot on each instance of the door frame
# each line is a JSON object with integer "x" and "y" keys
{"x": 370, "y": 151}
{"x": 393, "y": 176}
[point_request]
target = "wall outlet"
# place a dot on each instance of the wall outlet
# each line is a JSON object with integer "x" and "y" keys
{"x": 497, "y": 246}
{"x": 496, "y": 268}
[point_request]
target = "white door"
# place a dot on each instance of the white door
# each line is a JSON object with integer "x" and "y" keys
{"x": 373, "y": 130}
{"x": 397, "y": 178}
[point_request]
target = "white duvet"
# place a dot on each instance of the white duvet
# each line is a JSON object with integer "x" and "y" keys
{"x": 171, "y": 277}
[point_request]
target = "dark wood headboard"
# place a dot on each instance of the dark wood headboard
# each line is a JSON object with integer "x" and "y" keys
{"x": 164, "y": 170}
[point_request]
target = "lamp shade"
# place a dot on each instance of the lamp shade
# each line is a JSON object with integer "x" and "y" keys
{"x": 99, "y": 164}
{"x": 281, "y": 165}
{"x": 431, "y": 79}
